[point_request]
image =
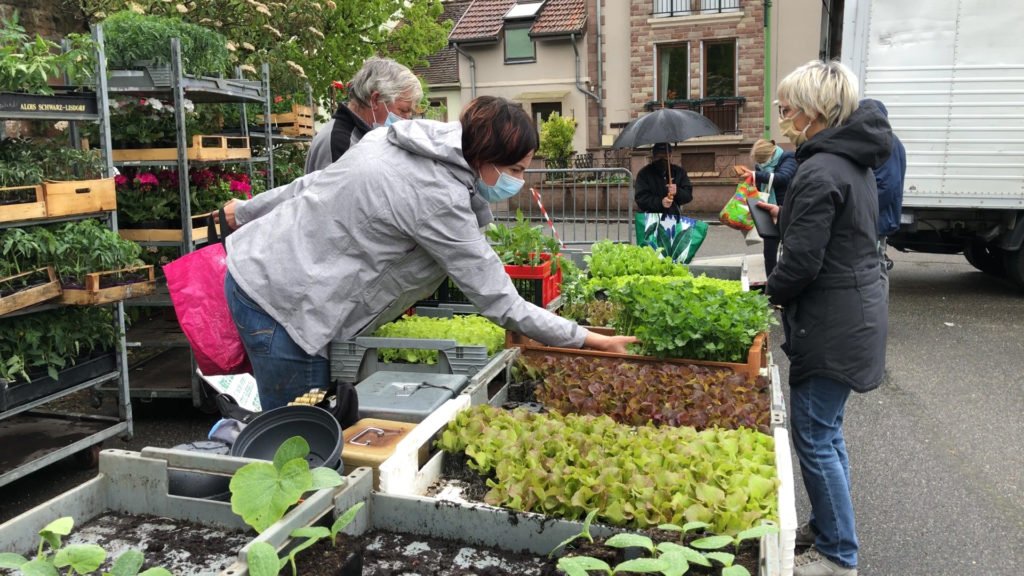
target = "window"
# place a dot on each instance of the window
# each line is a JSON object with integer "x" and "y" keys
{"x": 673, "y": 74}
{"x": 667, "y": 8}
{"x": 713, "y": 6}
{"x": 437, "y": 110}
{"x": 719, "y": 69}
{"x": 518, "y": 44}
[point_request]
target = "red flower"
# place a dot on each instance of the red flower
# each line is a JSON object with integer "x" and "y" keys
{"x": 146, "y": 179}
{"x": 338, "y": 84}
{"x": 237, "y": 186}
{"x": 278, "y": 99}
{"x": 120, "y": 180}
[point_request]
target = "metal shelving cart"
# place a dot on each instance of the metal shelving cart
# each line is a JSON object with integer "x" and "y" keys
{"x": 175, "y": 86}
{"x": 34, "y": 438}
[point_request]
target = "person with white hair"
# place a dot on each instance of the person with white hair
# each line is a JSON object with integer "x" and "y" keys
{"x": 381, "y": 93}
{"x": 832, "y": 290}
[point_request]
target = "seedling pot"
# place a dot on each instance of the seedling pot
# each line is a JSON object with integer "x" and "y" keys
{"x": 262, "y": 437}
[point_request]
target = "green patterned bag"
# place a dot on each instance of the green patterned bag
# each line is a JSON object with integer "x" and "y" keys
{"x": 677, "y": 237}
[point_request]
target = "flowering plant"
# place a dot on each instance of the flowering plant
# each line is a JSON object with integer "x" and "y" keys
{"x": 152, "y": 199}
{"x": 147, "y": 122}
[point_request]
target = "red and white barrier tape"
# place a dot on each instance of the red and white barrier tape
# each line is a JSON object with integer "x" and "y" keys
{"x": 547, "y": 218}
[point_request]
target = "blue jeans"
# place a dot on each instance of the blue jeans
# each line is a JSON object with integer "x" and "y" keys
{"x": 817, "y": 406}
{"x": 283, "y": 370}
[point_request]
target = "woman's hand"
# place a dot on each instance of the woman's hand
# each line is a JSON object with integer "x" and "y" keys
{"x": 772, "y": 209}
{"x": 615, "y": 344}
{"x": 229, "y": 214}
{"x": 743, "y": 172}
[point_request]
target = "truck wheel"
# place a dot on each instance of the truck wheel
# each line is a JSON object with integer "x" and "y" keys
{"x": 1014, "y": 260}
{"x": 985, "y": 257}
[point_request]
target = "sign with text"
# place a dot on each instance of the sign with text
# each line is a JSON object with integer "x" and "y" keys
{"x": 61, "y": 104}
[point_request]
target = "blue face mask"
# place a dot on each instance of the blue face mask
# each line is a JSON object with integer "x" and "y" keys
{"x": 391, "y": 119}
{"x": 505, "y": 188}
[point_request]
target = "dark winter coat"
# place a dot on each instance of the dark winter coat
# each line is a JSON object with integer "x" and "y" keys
{"x": 829, "y": 279}
{"x": 651, "y": 186}
{"x": 331, "y": 142}
{"x": 784, "y": 172}
{"x": 889, "y": 179}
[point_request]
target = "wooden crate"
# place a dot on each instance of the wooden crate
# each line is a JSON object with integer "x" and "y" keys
{"x": 26, "y": 210}
{"x": 30, "y": 296}
{"x": 298, "y": 122}
{"x": 92, "y": 294}
{"x": 203, "y": 149}
{"x": 757, "y": 357}
{"x": 79, "y": 197}
{"x": 200, "y": 232}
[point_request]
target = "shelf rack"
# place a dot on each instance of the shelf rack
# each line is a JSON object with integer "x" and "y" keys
{"x": 28, "y": 432}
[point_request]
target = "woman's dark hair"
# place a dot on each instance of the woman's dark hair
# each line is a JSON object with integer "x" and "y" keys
{"x": 496, "y": 131}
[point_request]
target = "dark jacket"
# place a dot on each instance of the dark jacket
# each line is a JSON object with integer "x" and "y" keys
{"x": 652, "y": 185}
{"x": 889, "y": 179}
{"x": 332, "y": 141}
{"x": 784, "y": 172}
{"x": 829, "y": 279}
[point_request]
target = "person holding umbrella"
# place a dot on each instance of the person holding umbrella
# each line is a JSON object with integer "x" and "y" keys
{"x": 662, "y": 187}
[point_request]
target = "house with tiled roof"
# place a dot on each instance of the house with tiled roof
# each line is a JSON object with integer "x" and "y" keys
{"x": 534, "y": 52}
{"x": 441, "y": 74}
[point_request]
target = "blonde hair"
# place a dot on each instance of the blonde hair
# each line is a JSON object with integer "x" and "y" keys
{"x": 821, "y": 89}
{"x": 762, "y": 151}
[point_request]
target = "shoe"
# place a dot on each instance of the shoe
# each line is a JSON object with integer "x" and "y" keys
{"x": 812, "y": 563}
{"x": 805, "y": 535}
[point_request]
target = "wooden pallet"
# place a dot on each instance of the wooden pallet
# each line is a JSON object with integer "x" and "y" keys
{"x": 25, "y": 210}
{"x": 200, "y": 232}
{"x": 92, "y": 294}
{"x": 30, "y": 296}
{"x": 79, "y": 197}
{"x": 298, "y": 122}
{"x": 203, "y": 149}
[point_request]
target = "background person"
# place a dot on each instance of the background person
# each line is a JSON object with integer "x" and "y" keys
{"x": 831, "y": 288}
{"x": 381, "y": 93}
{"x": 353, "y": 246}
{"x": 653, "y": 191}
{"x": 769, "y": 159}
{"x": 889, "y": 178}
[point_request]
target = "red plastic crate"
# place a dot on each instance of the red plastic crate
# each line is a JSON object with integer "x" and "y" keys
{"x": 539, "y": 277}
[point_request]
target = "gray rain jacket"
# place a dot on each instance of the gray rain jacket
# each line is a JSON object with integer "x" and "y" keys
{"x": 341, "y": 251}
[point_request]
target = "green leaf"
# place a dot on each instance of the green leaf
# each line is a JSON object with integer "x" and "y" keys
{"x": 757, "y": 532}
{"x": 692, "y": 556}
{"x": 324, "y": 477}
{"x": 262, "y": 559}
{"x": 261, "y": 494}
{"x": 723, "y": 558}
{"x": 12, "y": 561}
{"x": 52, "y": 532}
{"x": 156, "y": 571}
{"x": 642, "y": 565}
{"x": 676, "y": 564}
{"x": 691, "y": 526}
{"x": 712, "y": 542}
{"x": 344, "y": 520}
{"x": 630, "y": 541}
{"x": 127, "y": 564}
{"x": 581, "y": 565}
{"x": 311, "y": 532}
{"x": 292, "y": 448}
{"x": 38, "y": 567}
{"x": 83, "y": 558}
{"x": 736, "y": 570}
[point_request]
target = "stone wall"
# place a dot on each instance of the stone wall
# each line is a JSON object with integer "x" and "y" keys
{"x": 49, "y": 18}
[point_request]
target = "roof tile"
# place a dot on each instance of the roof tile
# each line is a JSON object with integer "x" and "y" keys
{"x": 482, "y": 21}
{"x": 443, "y": 66}
{"x": 561, "y": 17}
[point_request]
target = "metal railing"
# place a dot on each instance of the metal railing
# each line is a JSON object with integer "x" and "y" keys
{"x": 585, "y": 205}
{"x": 669, "y": 8}
{"x": 723, "y": 111}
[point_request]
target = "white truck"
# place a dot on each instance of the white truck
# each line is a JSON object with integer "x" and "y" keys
{"x": 951, "y": 73}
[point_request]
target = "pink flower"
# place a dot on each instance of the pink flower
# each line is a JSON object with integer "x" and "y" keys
{"x": 147, "y": 179}
{"x": 238, "y": 186}
{"x": 120, "y": 180}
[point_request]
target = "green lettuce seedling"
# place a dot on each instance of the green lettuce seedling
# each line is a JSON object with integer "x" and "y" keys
{"x": 584, "y": 533}
{"x": 77, "y": 558}
{"x": 261, "y": 492}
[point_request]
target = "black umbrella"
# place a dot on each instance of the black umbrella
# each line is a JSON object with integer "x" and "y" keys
{"x": 665, "y": 125}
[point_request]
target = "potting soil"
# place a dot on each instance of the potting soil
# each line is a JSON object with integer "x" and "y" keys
{"x": 182, "y": 547}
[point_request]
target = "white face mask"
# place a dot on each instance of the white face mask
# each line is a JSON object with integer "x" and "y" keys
{"x": 388, "y": 121}
{"x": 788, "y": 128}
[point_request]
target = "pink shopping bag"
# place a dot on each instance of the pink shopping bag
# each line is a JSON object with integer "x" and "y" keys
{"x": 196, "y": 284}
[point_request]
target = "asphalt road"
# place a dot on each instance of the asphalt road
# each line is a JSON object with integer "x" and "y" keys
{"x": 936, "y": 452}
